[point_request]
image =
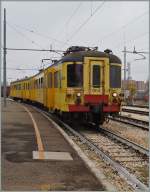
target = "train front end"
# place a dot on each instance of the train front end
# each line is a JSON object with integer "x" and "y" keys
{"x": 93, "y": 85}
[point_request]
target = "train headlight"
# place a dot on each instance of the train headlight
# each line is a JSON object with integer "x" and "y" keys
{"x": 114, "y": 94}
{"x": 78, "y": 94}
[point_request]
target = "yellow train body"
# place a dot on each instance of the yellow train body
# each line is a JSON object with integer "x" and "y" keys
{"x": 51, "y": 88}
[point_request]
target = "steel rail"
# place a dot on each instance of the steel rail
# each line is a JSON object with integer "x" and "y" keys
{"x": 135, "y": 111}
{"x": 131, "y": 179}
{"x": 135, "y": 122}
{"x": 139, "y": 106}
{"x": 125, "y": 141}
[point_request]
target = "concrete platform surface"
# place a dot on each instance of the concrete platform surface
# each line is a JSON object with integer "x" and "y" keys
{"x": 20, "y": 172}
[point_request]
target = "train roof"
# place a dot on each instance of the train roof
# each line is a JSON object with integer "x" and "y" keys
{"x": 79, "y": 56}
{"x": 27, "y": 78}
{"x": 19, "y": 80}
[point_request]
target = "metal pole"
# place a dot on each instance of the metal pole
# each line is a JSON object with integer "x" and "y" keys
{"x": 125, "y": 85}
{"x": 4, "y": 60}
{"x": 125, "y": 63}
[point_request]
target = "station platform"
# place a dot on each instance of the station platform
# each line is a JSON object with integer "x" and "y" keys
{"x": 43, "y": 160}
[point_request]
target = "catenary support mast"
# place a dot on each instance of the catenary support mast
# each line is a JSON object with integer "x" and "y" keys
{"x": 4, "y": 60}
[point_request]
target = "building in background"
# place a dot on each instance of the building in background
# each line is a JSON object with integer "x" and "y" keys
{"x": 135, "y": 90}
{"x": 140, "y": 85}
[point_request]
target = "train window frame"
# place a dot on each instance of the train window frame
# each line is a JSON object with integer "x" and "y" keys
{"x": 96, "y": 82}
{"x": 41, "y": 82}
{"x": 59, "y": 79}
{"x": 35, "y": 83}
{"x": 50, "y": 80}
{"x": 69, "y": 80}
{"x": 115, "y": 80}
{"x": 56, "y": 79}
{"x": 38, "y": 83}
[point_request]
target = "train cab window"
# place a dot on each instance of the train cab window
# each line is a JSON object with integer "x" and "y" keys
{"x": 115, "y": 76}
{"x": 96, "y": 76}
{"x": 75, "y": 75}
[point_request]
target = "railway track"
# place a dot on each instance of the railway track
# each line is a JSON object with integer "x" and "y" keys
{"x": 126, "y": 164}
{"x": 135, "y": 111}
{"x": 139, "y": 106}
{"x": 131, "y": 121}
{"x": 125, "y": 141}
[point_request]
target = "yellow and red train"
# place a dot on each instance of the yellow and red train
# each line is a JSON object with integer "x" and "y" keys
{"x": 84, "y": 83}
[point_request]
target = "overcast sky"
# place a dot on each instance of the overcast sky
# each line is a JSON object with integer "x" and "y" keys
{"x": 62, "y": 24}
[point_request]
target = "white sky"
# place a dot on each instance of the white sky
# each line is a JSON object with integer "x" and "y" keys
{"x": 59, "y": 20}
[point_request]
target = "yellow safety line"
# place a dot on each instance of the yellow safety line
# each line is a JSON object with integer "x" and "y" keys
{"x": 38, "y": 137}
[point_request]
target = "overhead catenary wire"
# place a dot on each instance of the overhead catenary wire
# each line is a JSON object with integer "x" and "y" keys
{"x": 84, "y": 23}
{"x": 23, "y": 35}
{"x": 69, "y": 20}
{"x": 73, "y": 14}
{"x": 124, "y": 26}
{"x": 21, "y": 69}
{"x": 26, "y": 49}
{"x": 37, "y": 33}
{"x": 130, "y": 40}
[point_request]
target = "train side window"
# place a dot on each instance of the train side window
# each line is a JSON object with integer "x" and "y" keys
{"x": 38, "y": 83}
{"x": 56, "y": 79}
{"x": 50, "y": 83}
{"x": 96, "y": 76}
{"x": 42, "y": 82}
{"x": 59, "y": 79}
{"x": 35, "y": 84}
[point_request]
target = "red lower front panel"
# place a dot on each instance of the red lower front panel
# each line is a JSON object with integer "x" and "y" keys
{"x": 82, "y": 108}
{"x": 95, "y": 99}
{"x": 111, "y": 108}
{"x": 78, "y": 108}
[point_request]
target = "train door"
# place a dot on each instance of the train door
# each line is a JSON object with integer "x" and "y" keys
{"x": 94, "y": 77}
